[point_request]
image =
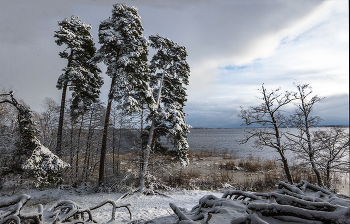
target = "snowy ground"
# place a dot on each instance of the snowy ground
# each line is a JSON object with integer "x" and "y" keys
{"x": 288, "y": 204}
{"x": 142, "y": 207}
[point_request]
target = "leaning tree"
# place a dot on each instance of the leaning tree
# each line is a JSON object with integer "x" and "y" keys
{"x": 124, "y": 51}
{"x": 30, "y": 156}
{"x": 81, "y": 73}
{"x": 170, "y": 73}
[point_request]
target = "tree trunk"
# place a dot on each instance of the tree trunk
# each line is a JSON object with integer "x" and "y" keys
{"x": 63, "y": 105}
{"x": 60, "y": 123}
{"x": 317, "y": 172}
{"x": 328, "y": 175}
{"x": 150, "y": 139}
{"x": 104, "y": 137}
{"x": 113, "y": 148}
{"x": 87, "y": 148}
{"x": 278, "y": 139}
{"x": 71, "y": 146}
{"x": 286, "y": 169}
{"x": 310, "y": 149}
{"x": 145, "y": 161}
{"x": 78, "y": 149}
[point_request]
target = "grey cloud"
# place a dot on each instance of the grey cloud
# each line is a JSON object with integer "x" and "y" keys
{"x": 333, "y": 110}
{"x": 210, "y": 30}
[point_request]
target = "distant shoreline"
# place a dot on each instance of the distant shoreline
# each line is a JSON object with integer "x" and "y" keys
{"x": 319, "y": 126}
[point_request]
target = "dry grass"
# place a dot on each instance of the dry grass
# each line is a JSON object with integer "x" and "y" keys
{"x": 229, "y": 165}
{"x": 213, "y": 170}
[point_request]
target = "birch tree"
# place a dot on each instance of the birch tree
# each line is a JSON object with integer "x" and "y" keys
{"x": 170, "y": 73}
{"x": 269, "y": 115}
{"x": 124, "y": 51}
{"x": 81, "y": 73}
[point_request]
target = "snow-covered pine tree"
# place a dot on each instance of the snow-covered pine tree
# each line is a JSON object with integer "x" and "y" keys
{"x": 170, "y": 73}
{"x": 81, "y": 72}
{"x": 124, "y": 51}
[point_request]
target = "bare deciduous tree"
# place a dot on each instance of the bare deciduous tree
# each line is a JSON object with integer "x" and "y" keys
{"x": 302, "y": 120}
{"x": 269, "y": 115}
{"x": 333, "y": 146}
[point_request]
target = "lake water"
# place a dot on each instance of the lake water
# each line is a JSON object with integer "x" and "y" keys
{"x": 227, "y": 139}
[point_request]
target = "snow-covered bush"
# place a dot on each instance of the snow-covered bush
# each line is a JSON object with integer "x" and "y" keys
{"x": 30, "y": 155}
{"x": 45, "y": 167}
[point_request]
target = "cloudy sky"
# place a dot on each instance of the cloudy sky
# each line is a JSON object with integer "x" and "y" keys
{"x": 234, "y": 46}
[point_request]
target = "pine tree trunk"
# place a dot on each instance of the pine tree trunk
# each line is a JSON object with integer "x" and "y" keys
{"x": 78, "y": 149}
{"x": 150, "y": 139}
{"x": 60, "y": 123}
{"x": 104, "y": 137}
{"x": 63, "y": 105}
{"x": 145, "y": 161}
{"x": 71, "y": 145}
{"x": 87, "y": 151}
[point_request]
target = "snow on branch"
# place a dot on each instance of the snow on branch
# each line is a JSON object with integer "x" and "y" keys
{"x": 31, "y": 156}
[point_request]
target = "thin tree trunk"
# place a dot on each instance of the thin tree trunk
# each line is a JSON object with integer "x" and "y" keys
{"x": 63, "y": 105}
{"x": 71, "y": 145}
{"x": 88, "y": 158}
{"x": 286, "y": 169}
{"x": 141, "y": 134}
{"x": 113, "y": 146}
{"x": 78, "y": 148}
{"x": 85, "y": 166}
{"x": 119, "y": 144}
{"x": 328, "y": 175}
{"x": 309, "y": 144}
{"x": 278, "y": 139}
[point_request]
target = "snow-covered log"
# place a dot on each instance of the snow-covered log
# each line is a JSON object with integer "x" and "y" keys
{"x": 115, "y": 206}
{"x": 300, "y": 203}
{"x": 10, "y": 211}
{"x": 237, "y": 194}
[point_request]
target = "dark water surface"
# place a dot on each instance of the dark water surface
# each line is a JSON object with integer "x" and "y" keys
{"x": 226, "y": 139}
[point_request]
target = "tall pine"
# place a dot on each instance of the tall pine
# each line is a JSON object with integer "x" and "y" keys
{"x": 81, "y": 73}
{"x": 170, "y": 74}
{"x": 124, "y": 51}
